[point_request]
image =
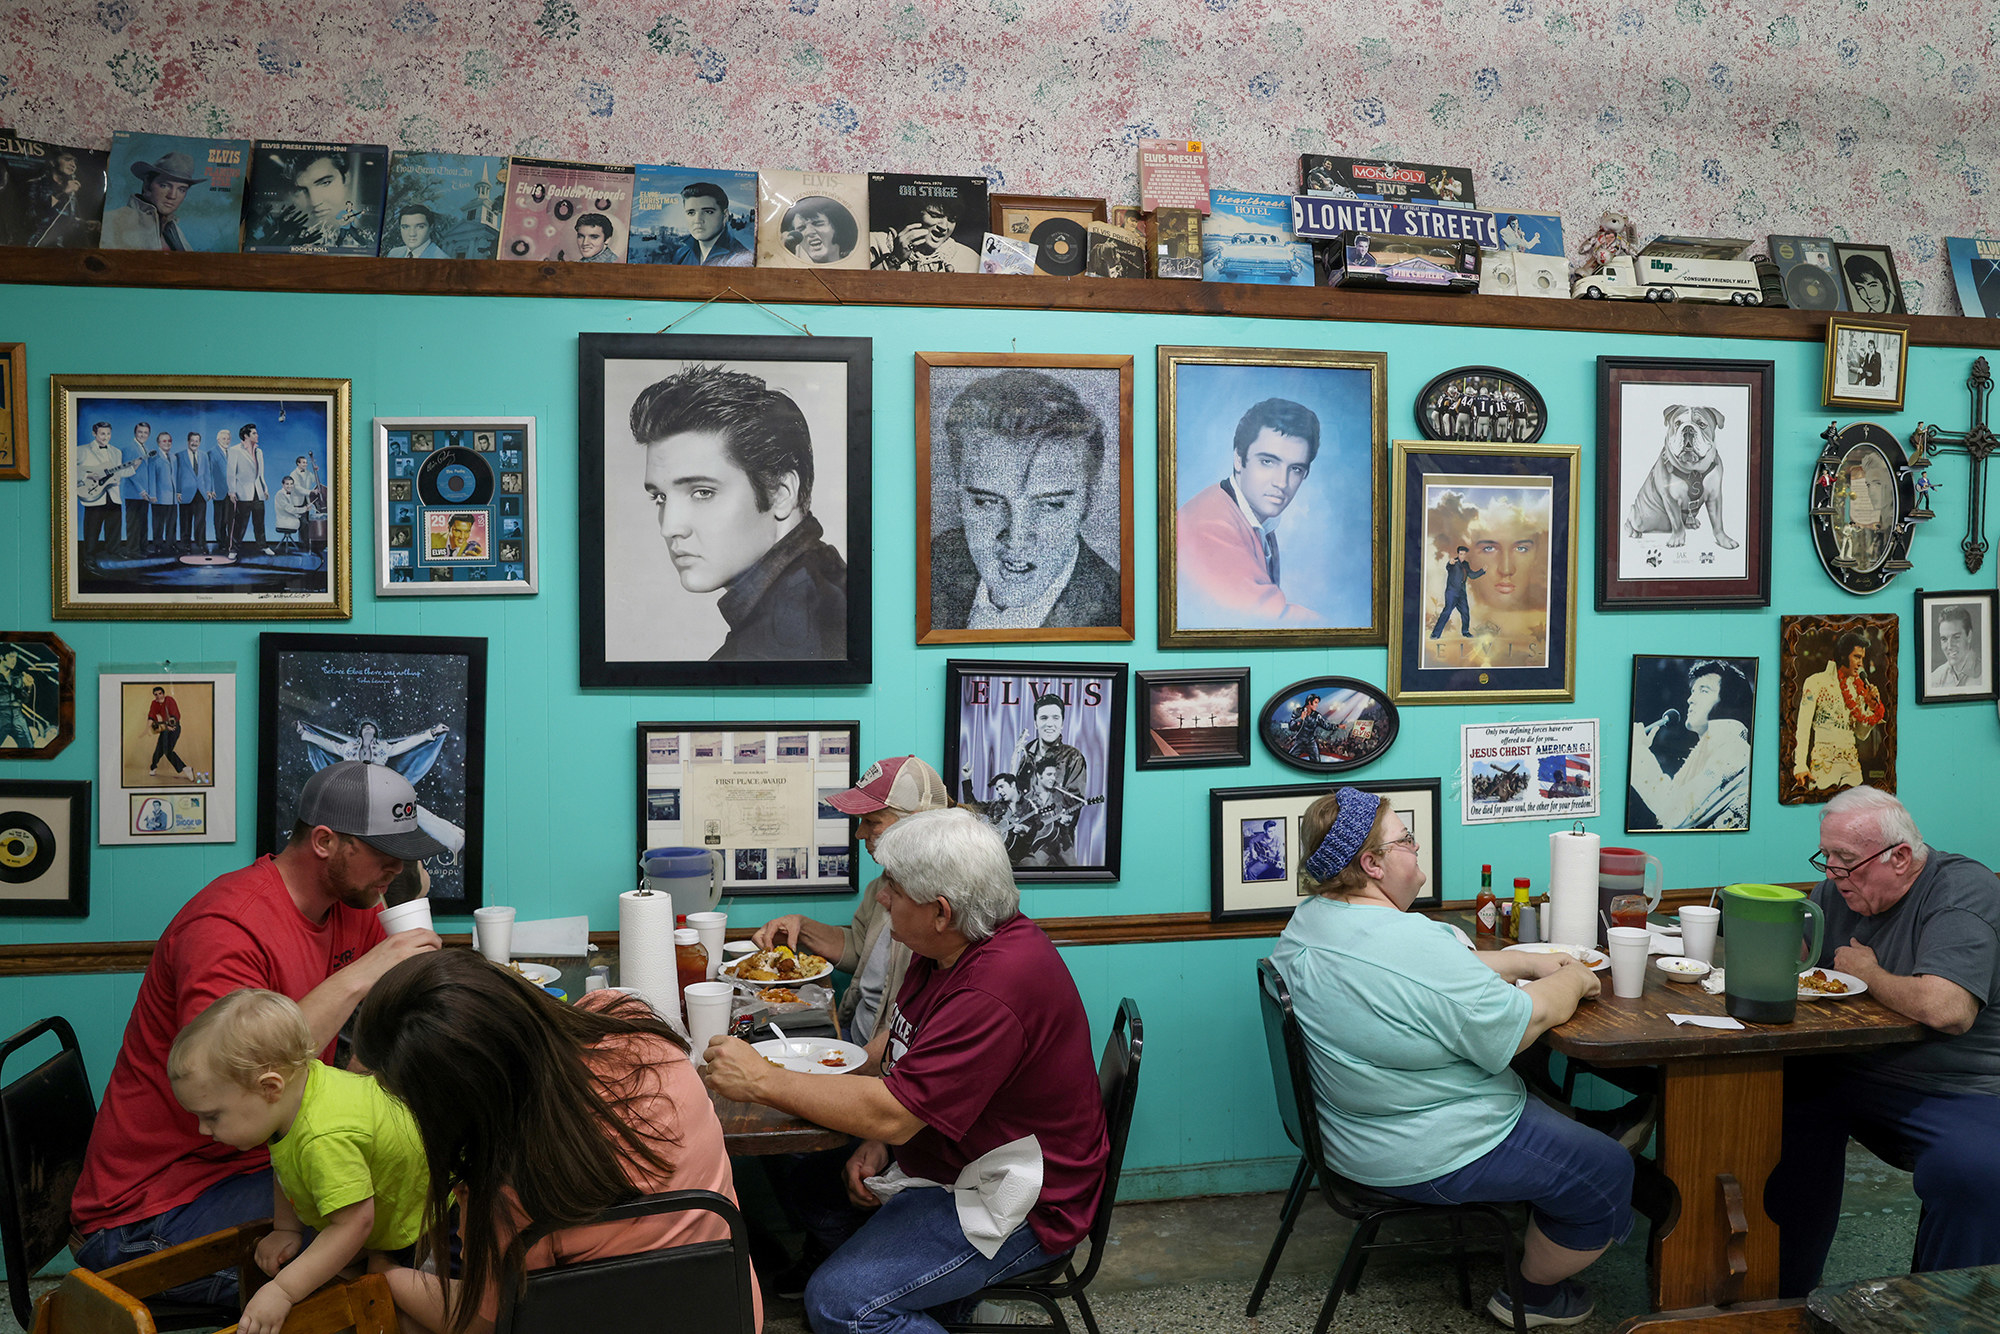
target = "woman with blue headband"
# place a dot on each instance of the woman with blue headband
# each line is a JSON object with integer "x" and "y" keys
{"x": 1410, "y": 1036}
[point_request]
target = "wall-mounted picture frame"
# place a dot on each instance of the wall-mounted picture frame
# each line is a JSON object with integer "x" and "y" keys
{"x": 1328, "y": 724}
{"x": 416, "y": 703}
{"x": 200, "y": 497}
{"x": 1038, "y": 748}
{"x": 14, "y": 449}
{"x": 44, "y": 848}
{"x": 1481, "y": 403}
{"x": 37, "y": 695}
{"x": 1484, "y": 573}
{"x": 1961, "y": 639}
{"x": 1193, "y": 718}
{"x": 1024, "y": 498}
{"x": 1058, "y": 226}
{"x": 1683, "y": 483}
{"x": 756, "y": 793}
{"x": 1693, "y": 727}
{"x": 725, "y": 555}
{"x": 1837, "y": 705}
{"x": 1868, "y": 276}
{"x": 166, "y": 753}
{"x": 1272, "y": 498}
{"x": 1862, "y": 507}
{"x": 455, "y": 507}
{"x": 1255, "y": 854}
{"x": 1866, "y": 365}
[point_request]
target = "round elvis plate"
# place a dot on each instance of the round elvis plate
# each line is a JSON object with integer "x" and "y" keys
{"x": 1598, "y": 960}
{"x": 1853, "y": 985}
{"x": 538, "y": 973}
{"x": 727, "y": 972}
{"x": 812, "y": 1056}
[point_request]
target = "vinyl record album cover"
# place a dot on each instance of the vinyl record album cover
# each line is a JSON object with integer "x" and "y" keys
{"x": 174, "y": 192}
{"x": 812, "y": 219}
{"x": 1530, "y": 233}
{"x": 925, "y": 224}
{"x": 444, "y": 206}
{"x": 51, "y": 195}
{"x": 1115, "y": 252}
{"x": 1173, "y": 173}
{"x": 1173, "y": 240}
{"x": 1975, "y": 271}
{"x": 1248, "y": 239}
{"x": 309, "y": 198}
{"x": 578, "y": 212}
{"x": 691, "y": 215}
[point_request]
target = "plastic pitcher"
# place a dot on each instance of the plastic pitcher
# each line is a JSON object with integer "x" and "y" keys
{"x": 1626, "y": 871}
{"x": 692, "y": 875}
{"x": 1760, "y": 925}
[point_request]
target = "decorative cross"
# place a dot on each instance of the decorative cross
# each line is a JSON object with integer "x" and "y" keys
{"x": 1978, "y": 443}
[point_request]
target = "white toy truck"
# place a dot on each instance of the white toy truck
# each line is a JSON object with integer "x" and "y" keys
{"x": 1671, "y": 278}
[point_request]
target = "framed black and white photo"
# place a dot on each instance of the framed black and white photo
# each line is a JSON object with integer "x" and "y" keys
{"x": 166, "y": 753}
{"x": 416, "y": 703}
{"x": 1958, "y": 645}
{"x": 37, "y": 695}
{"x": 455, "y": 506}
{"x": 1327, "y": 724}
{"x": 725, "y": 510}
{"x": 1688, "y": 769}
{"x": 1683, "y": 483}
{"x": 1024, "y": 498}
{"x": 1255, "y": 847}
{"x": 1038, "y": 748}
{"x": 1868, "y": 276}
{"x": 1865, "y": 364}
{"x": 44, "y": 848}
{"x": 1198, "y": 718}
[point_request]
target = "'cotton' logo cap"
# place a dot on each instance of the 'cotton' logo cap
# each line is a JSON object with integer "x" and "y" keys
{"x": 373, "y": 803}
{"x": 905, "y": 783}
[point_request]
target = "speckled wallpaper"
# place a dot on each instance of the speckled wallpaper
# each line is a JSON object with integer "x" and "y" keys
{"x": 1863, "y": 119}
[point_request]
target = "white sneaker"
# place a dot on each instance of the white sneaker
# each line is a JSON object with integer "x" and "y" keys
{"x": 995, "y": 1313}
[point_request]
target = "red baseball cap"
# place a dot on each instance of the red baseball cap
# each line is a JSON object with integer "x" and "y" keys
{"x": 904, "y": 783}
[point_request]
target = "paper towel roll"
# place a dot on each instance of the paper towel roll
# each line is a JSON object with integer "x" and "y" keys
{"x": 1573, "y": 888}
{"x": 646, "y": 949}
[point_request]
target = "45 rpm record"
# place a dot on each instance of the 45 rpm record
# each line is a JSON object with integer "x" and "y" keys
{"x": 1060, "y": 245}
{"x": 455, "y": 476}
{"x": 27, "y": 847}
{"x": 1809, "y": 287}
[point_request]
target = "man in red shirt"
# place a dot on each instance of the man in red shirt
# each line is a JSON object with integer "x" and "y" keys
{"x": 986, "y": 1070}
{"x": 164, "y": 717}
{"x": 302, "y": 923}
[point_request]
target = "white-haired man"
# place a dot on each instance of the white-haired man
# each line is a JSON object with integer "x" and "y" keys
{"x": 988, "y": 1046}
{"x": 1922, "y": 928}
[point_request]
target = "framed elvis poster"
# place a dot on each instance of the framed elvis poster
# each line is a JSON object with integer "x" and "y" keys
{"x": 725, "y": 510}
{"x": 166, "y": 753}
{"x": 757, "y": 793}
{"x": 416, "y": 703}
{"x": 1038, "y": 748}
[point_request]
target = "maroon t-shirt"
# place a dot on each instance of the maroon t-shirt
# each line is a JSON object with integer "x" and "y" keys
{"x": 994, "y": 1048}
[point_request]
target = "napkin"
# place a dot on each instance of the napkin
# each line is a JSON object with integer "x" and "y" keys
{"x": 1706, "y": 1020}
{"x": 558, "y": 937}
{"x": 1661, "y": 943}
{"x": 994, "y": 1192}
{"x": 1712, "y": 984}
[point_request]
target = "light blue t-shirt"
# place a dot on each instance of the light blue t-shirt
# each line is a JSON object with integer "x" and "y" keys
{"x": 1410, "y": 1037}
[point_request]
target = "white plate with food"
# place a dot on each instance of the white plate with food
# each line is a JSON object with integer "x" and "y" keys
{"x": 1597, "y": 960}
{"x": 812, "y": 1056}
{"x": 538, "y": 973}
{"x": 774, "y": 968}
{"x": 1829, "y": 984}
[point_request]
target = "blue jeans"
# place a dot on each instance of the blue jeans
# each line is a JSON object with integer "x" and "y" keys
{"x": 910, "y": 1257}
{"x": 232, "y": 1200}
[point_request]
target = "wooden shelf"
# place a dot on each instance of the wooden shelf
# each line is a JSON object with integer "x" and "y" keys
{"x": 851, "y": 287}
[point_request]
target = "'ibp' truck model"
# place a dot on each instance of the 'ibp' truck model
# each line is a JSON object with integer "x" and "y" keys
{"x": 1670, "y": 278}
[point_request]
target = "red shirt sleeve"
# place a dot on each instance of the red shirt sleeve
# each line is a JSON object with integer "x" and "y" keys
{"x": 962, "y": 1053}
{"x": 213, "y": 957}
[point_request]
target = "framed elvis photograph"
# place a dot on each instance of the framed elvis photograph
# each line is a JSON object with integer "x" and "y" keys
{"x": 13, "y": 412}
{"x": 1868, "y": 275}
{"x": 1038, "y": 748}
{"x": 37, "y": 695}
{"x": 416, "y": 703}
{"x": 1272, "y": 498}
{"x": 756, "y": 793}
{"x": 725, "y": 510}
{"x": 1256, "y": 837}
{"x": 1024, "y": 498}
{"x": 187, "y": 497}
{"x": 1484, "y": 574}
{"x": 455, "y": 506}
{"x": 1955, "y": 659}
{"x": 166, "y": 753}
{"x": 1688, "y": 768}
{"x": 44, "y": 848}
{"x": 1837, "y": 704}
{"x": 1198, "y": 718}
{"x": 1058, "y": 226}
{"x": 1865, "y": 364}
{"x": 1326, "y": 724}
{"x": 1684, "y": 483}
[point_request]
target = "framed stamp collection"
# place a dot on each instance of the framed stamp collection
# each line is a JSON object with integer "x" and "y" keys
{"x": 455, "y": 506}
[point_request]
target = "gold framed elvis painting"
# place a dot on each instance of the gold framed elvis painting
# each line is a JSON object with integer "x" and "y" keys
{"x": 183, "y": 497}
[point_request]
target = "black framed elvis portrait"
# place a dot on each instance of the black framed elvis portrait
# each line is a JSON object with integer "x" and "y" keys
{"x": 1196, "y": 718}
{"x": 1868, "y": 275}
{"x": 1038, "y": 750}
{"x": 1024, "y": 497}
{"x": 37, "y": 695}
{"x": 1955, "y": 657}
{"x": 1256, "y": 851}
{"x": 725, "y": 510}
{"x": 416, "y": 703}
{"x": 1693, "y": 724}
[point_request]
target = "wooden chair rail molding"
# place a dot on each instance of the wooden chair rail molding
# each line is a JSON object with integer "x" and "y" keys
{"x": 672, "y": 282}
{"x": 131, "y": 956}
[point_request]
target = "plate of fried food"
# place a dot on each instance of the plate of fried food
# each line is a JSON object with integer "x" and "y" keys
{"x": 1829, "y": 984}
{"x": 778, "y": 966}
{"x": 812, "y": 1056}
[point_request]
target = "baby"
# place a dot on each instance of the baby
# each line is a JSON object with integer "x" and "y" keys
{"x": 346, "y": 1157}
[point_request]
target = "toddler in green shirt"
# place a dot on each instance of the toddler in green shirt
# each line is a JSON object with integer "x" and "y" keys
{"x": 347, "y": 1158}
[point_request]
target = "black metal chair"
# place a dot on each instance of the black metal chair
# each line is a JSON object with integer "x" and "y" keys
{"x": 1368, "y": 1209}
{"x": 1118, "y": 1082}
{"x": 702, "y": 1288}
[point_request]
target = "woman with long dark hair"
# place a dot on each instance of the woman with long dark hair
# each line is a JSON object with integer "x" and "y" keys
{"x": 534, "y": 1112}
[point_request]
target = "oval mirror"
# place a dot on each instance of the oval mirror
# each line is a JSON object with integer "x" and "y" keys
{"x": 1862, "y": 498}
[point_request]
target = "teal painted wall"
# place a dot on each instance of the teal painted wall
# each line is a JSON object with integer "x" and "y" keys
{"x": 560, "y": 784}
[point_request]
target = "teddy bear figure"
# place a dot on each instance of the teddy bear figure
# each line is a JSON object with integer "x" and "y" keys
{"x": 1615, "y": 235}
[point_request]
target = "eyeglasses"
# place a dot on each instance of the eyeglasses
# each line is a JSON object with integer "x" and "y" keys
{"x": 1406, "y": 841}
{"x": 1834, "y": 871}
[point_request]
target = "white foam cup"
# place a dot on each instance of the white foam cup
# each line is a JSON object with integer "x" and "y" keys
{"x": 407, "y": 917}
{"x": 1629, "y": 946}
{"x": 1698, "y": 926}
{"x": 708, "y": 1005}
{"x": 493, "y": 932}
{"x": 709, "y": 928}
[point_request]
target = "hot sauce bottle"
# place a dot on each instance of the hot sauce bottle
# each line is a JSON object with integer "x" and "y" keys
{"x": 1486, "y": 911}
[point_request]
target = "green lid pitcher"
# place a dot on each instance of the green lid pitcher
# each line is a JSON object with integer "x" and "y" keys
{"x": 1760, "y": 924}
